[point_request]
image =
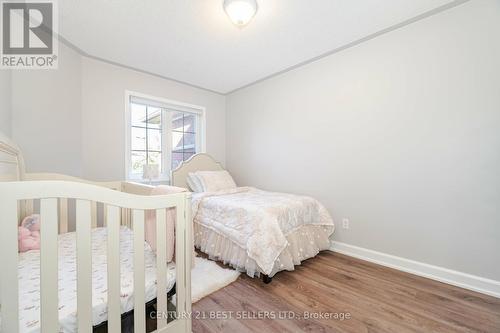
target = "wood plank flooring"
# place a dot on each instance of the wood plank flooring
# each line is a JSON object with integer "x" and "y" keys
{"x": 375, "y": 298}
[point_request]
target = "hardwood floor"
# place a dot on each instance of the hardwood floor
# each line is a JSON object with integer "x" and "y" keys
{"x": 376, "y": 298}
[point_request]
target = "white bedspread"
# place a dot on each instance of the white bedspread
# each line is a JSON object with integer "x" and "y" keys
{"x": 257, "y": 220}
{"x": 29, "y": 280}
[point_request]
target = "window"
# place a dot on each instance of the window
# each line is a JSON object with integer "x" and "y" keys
{"x": 161, "y": 134}
{"x": 183, "y": 137}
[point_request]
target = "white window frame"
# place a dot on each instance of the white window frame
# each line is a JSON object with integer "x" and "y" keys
{"x": 165, "y": 104}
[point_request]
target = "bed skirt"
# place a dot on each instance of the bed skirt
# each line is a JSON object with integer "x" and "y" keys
{"x": 303, "y": 243}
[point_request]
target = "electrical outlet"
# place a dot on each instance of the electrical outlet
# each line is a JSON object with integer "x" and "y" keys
{"x": 345, "y": 223}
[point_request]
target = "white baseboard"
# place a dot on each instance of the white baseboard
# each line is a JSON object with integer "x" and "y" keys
{"x": 459, "y": 279}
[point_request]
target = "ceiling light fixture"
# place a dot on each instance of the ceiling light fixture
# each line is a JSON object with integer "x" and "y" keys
{"x": 240, "y": 11}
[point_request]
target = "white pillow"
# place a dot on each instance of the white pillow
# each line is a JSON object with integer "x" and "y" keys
{"x": 194, "y": 182}
{"x": 215, "y": 180}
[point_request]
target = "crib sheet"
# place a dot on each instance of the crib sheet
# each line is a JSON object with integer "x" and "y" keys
{"x": 29, "y": 280}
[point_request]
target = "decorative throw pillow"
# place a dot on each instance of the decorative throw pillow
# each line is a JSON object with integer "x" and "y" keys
{"x": 215, "y": 180}
{"x": 194, "y": 183}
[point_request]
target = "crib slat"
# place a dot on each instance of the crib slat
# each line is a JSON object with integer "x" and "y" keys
{"x": 180, "y": 263}
{"x": 63, "y": 215}
{"x": 139, "y": 271}
{"x": 184, "y": 250}
{"x": 113, "y": 225}
{"x": 48, "y": 261}
{"x": 84, "y": 265}
{"x": 161, "y": 268}
{"x": 188, "y": 255}
{"x": 9, "y": 261}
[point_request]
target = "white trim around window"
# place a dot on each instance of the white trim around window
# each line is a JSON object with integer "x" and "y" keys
{"x": 166, "y": 105}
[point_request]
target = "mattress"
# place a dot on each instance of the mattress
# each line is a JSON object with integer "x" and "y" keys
{"x": 29, "y": 280}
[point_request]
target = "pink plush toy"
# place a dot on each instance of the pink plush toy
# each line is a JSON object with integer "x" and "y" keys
{"x": 29, "y": 233}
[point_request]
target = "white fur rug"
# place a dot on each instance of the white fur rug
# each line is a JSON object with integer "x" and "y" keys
{"x": 207, "y": 277}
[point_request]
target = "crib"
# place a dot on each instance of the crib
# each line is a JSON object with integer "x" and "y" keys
{"x": 119, "y": 204}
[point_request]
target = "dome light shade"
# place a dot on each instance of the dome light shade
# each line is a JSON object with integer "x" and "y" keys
{"x": 240, "y": 11}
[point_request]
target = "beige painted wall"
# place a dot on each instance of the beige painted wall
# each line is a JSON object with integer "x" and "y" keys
{"x": 46, "y": 115}
{"x": 400, "y": 134}
{"x": 5, "y": 101}
{"x": 103, "y": 116}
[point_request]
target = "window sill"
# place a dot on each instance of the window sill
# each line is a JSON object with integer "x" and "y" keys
{"x": 155, "y": 182}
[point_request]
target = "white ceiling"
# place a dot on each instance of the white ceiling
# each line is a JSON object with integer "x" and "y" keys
{"x": 194, "y": 42}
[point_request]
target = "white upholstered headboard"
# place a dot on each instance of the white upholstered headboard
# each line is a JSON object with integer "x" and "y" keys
{"x": 11, "y": 160}
{"x": 198, "y": 162}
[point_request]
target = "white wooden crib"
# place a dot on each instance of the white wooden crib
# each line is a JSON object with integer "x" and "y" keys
{"x": 122, "y": 204}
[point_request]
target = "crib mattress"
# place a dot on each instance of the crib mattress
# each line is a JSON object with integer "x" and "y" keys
{"x": 29, "y": 280}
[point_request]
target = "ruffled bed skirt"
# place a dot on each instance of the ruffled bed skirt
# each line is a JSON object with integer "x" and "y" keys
{"x": 303, "y": 243}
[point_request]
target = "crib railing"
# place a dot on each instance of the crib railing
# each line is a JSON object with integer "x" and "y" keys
{"x": 51, "y": 194}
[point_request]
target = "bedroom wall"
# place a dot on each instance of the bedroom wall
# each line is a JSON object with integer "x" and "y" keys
{"x": 400, "y": 134}
{"x": 5, "y": 101}
{"x": 103, "y": 117}
{"x": 46, "y": 115}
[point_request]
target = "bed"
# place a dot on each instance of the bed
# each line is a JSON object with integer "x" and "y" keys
{"x": 254, "y": 231}
{"x": 103, "y": 270}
